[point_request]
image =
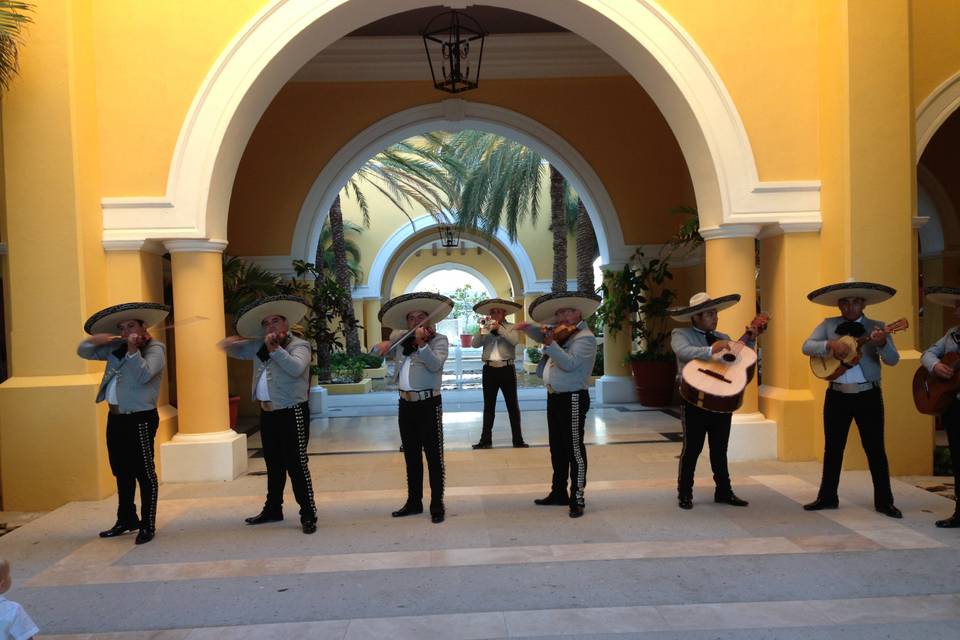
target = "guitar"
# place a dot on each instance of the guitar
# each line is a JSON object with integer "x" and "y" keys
{"x": 717, "y": 385}
{"x": 829, "y": 367}
{"x": 931, "y": 393}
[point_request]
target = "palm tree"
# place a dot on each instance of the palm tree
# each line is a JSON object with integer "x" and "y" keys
{"x": 13, "y": 18}
{"x": 586, "y": 249}
{"x": 559, "y": 229}
{"x": 326, "y": 258}
{"x": 409, "y": 172}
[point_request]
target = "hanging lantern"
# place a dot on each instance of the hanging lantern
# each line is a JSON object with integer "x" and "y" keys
{"x": 454, "y": 44}
{"x": 449, "y": 236}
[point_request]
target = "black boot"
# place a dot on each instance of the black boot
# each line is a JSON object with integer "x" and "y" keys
{"x": 437, "y": 512}
{"x": 953, "y": 522}
{"x": 120, "y": 528}
{"x": 483, "y": 445}
{"x": 410, "y": 508}
{"x": 685, "y": 502}
{"x": 729, "y": 497}
{"x": 555, "y": 497}
{"x": 145, "y": 536}
{"x": 267, "y": 515}
{"x": 308, "y": 524}
{"x": 576, "y": 508}
{"x": 819, "y": 504}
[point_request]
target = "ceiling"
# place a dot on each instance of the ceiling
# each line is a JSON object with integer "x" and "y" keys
{"x": 493, "y": 19}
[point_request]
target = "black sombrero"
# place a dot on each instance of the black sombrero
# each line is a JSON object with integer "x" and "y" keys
{"x": 544, "y": 309}
{"x": 393, "y": 314}
{"x": 700, "y": 302}
{"x": 871, "y": 292}
{"x": 106, "y": 320}
{"x": 485, "y": 306}
{"x": 293, "y": 308}
{"x": 945, "y": 296}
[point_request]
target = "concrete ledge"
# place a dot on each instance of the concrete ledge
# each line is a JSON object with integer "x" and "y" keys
{"x": 375, "y": 374}
{"x": 615, "y": 389}
{"x": 204, "y": 457}
{"x": 318, "y": 402}
{"x": 752, "y": 437}
{"x": 364, "y": 386}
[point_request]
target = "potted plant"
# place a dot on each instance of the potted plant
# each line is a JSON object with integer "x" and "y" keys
{"x": 639, "y": 296}
{"x": 532, "y": 359}
{"x": 463, "y": 300}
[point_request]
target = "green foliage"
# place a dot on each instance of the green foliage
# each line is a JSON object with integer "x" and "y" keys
{"x": 244, "y": 283}
{"x": 598, "y": 363}
{"x": 463, "y": 300}
{"x": 364, "y": 360}
{"x": 351, "y": 249}
{"x": 323, "y": 324}
{"x": 13, "y": 20}
{"x": 943, "y": 464}
{"x": 534, "y": 355}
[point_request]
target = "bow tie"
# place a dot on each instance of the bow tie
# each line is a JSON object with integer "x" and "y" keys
{"x": 711, "y": 337}
{"x": 854, "y": 329}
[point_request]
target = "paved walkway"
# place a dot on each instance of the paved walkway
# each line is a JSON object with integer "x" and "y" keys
{"x": 634, "y": 566}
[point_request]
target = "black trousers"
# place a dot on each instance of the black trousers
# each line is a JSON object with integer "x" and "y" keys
{"x": 566, "y": 415}
{"x": 951, "y": 424}
{"x": 496, "y": 379}
{"x": 866, "y": 408}
{"x": 700, "y": 425}
{"x": 130, "y": 450}
{"x": 421, "y": 432}
{"x": 285, "y": 434}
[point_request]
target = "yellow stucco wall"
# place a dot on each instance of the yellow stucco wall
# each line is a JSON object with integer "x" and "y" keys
{"x": 934, "y": 45}
{"x": 484, "y": 263}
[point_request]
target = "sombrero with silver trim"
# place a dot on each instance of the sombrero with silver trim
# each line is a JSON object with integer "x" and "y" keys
{"x": 544, "y": 308}
{"x": 945, "y": 296}
{"x": 106, "y": 320}
{"x": 485, "y": 306}
{"x": 871, "y": 292}
{"x": 292, "y": 308}
{"x": 700, "y": 302}
{"x": 393, "y": 314}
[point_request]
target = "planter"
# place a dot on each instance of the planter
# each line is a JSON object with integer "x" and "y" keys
{"x": 530, "y": 367}
{"x": 466, "y": 340}
{"x": 364, "y": 386}
{"x": 654, "y": 382}
{"x": 234, "y": 410}
{"x": 375, "y": 374}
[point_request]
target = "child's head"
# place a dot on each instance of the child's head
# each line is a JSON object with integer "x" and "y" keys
{"x": 5, "y": 580}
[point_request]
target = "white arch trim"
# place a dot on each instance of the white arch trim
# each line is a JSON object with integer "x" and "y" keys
{"x": 452, "y": 266}
{"x": 935, "y": 109}
{"x": 284, "y": 35}
{"x": 457, "y": 114}
{"x": 388, "y": 252}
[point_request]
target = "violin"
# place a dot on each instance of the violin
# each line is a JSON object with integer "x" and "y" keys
{"x": 560, "y": 332}
{"x": 409, "y": 343}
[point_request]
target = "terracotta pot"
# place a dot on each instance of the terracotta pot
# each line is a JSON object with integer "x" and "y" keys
{"x": 234, "y": 407}
{"x": 466, "y": 340}
{"x": 654, "y": 382}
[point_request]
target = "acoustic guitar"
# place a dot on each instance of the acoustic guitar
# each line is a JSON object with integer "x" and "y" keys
{"x": 933, "y": 394}
{"x": 718, "y": 385}
{"x": 829, "y": 367}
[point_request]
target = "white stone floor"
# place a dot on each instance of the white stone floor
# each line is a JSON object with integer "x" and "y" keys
{"x": 634, "y": 566}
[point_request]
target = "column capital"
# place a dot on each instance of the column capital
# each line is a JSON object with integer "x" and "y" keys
{"x": 149, "y": 246}
{"x": 195, "y": 245}
{"x": 731, "y": 231}
{"x": 783, "y": 228}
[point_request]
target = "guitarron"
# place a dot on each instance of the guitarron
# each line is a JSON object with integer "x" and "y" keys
{"x": 931, "y": 393}
{"x": 829, "y": 367}
{"x": 717, "y": 385}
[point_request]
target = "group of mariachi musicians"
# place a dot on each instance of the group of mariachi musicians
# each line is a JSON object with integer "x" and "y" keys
{"x": 713, "y": 370}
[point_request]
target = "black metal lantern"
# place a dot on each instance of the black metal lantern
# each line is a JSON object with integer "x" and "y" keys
{"x": 455, "y": 40}
{"x": 449, "y": 236}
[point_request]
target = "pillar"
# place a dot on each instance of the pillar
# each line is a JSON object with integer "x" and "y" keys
{"x": 205, "y": 448}
{"x": 52, "y": 433}
{"x": 868, "y": 195}
{"x": 371, "y": 323}
{"x": 731, "y": 268}
{"x": 616, "y": 385}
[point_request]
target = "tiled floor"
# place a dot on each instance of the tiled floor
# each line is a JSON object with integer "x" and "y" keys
{"x": 634, "y": 566}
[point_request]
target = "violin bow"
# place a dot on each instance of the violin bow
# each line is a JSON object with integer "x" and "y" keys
{"x": 410, "y": 332}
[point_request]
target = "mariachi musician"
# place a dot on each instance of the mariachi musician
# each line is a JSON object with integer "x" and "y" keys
{"x": 949, "y": 343}
{"x": 855, "y": 395}
{"x": 569, "y": 351}
{"x": 701, "y": 341}
{"x": 499, "y": 340}
{"x": 419, "y": 370}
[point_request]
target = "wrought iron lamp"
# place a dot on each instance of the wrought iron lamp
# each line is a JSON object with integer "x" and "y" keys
{"x": 452, "y": 40}
{"x": 449, "y": 236}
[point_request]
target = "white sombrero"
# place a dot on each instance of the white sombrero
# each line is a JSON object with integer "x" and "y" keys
{"x": 292, "y": 308}
{"x": 544, "y": 309}
{"x": 106, "y": 320}
{"x": 393, "y": 314}
{"x": 700, "y": 302}
{"x": 871, "y": 292}
{"x": 485, "y": 306}
{"x": 946, "y": 296}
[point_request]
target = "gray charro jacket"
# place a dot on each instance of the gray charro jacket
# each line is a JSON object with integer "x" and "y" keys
{"x": 505, "y": 340}
{"x": 138, "y": 377}
{"x": 870, "y": 356}
{"x": 288, "y": 369}
{"x": 426, "y": 363}
{"x": 943, "y": 346}
{"x": 571, "y": 364}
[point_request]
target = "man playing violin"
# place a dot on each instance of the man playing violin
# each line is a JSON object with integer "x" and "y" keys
{"x": 569, "y": 351}
{"x": 932, "y": 360}
{"x": 281, "y": 386}
{"x": 855, "y": 395}
{"x": 418, "y": 373}
{"x": 701, "y": 341}
{"x": 499, "y": 339}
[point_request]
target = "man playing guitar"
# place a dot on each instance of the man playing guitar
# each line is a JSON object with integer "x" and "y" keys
{"x": 701, "y": 341}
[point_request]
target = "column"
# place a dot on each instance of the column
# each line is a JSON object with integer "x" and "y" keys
{"x": 371, "y": 322}
{"x": 616, "y": 386}
{"x": 205, "y": 448}
{"x": 868, "y": 195}
{"x": 529, "y": 297}
{"x": 52, "y": 433}
{"x": 731, "y": 268}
